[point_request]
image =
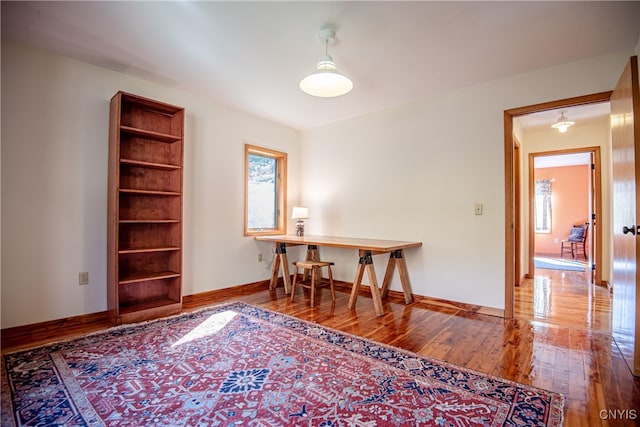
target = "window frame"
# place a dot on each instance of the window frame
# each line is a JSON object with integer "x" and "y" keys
{"x": 542, "y": 193}
{"x": 281, "y": 190}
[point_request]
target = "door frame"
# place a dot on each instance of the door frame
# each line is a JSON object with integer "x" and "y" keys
{"x": 512, "y": 222}
{"x": 595, "y": 189}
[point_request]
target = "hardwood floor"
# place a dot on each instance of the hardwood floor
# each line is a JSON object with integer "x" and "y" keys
{"x": 564, "y": 298}
{"x": 586, "y": 364}
{"x": 559, "y": 340}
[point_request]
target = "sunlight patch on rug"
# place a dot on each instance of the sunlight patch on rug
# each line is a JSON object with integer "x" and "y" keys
{"x": 237, "y": 364}
{"x": 210, "y": 326}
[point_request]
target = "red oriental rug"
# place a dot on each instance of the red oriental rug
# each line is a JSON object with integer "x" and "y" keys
{"x": 236, "y": 364}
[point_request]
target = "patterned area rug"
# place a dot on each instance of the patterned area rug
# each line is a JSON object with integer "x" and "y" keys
{"x": 236, "y": 364}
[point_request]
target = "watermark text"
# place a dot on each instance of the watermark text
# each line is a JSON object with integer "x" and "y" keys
{"x": 618, "y": 414}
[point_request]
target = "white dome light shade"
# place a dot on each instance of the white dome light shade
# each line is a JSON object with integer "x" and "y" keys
{"x": 326, "y": 82}
{"x": 563, "y": 123}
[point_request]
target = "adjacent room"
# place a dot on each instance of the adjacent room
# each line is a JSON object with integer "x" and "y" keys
{"x": 319, "y": 213}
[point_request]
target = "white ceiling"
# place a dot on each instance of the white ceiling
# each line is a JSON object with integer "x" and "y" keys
{"x": 251, "y": 55}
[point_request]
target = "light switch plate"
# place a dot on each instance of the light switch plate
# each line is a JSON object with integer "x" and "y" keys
{"x": 83, "y": 278}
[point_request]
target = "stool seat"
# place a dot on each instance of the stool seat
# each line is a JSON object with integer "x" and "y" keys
{"x": 316, "y": 277}
{"x": 310, "y": 264}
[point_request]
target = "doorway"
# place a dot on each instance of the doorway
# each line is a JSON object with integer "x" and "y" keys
{"x": 623, "y": 230}
{"x": 514, "y": 215}
{"x": 564, "y": 196}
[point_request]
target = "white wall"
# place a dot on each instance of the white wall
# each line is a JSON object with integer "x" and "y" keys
{"x": 416, "y": 171}
{"x": 55, "y": 126}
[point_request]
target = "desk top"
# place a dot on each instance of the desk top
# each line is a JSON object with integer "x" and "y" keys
{"x": 342, "y": 242}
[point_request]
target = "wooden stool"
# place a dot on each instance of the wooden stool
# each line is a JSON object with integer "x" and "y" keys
{"x": 316, "y": 277}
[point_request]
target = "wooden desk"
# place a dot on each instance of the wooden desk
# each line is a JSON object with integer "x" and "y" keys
{"x": 366, "y": 248}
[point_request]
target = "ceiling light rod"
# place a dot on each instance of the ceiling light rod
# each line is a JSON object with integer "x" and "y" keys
{"x": 327, "y": 35}
{"x": 563, "y": 123}
{"x": 326, "y": 81}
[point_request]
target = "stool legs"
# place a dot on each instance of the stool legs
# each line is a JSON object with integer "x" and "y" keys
{"x": 333, "y": 292}
{"x": 293, "y": 285}
{"x": 314, "y": 282}
{"x": 316, "y": 277}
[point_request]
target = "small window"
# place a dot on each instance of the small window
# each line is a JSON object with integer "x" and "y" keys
{"x": 543, "y": 206}
{"x": 265, "y": 191}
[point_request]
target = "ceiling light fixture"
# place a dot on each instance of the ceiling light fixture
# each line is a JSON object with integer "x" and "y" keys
{"x": 326, "y": 81}
{"x": 563, "y": 123}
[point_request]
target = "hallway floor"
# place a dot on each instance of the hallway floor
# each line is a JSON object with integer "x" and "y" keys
{"x": 564, "y": 298}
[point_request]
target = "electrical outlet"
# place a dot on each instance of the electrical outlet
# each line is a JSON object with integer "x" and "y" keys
{"x": 259, "y": 258}
{"x": 83, "y": 278}
{"x": 478, "y": 208}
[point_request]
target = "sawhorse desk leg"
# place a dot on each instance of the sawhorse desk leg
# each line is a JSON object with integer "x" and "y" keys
{"x": 366, "y": 263}
{"x": 312, "y": 255}
{"x": 280, "y": 258}
{"x": 397, "y": 258}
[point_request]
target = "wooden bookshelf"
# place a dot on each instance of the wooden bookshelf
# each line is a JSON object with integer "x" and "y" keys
{"x": 146, "y": 140}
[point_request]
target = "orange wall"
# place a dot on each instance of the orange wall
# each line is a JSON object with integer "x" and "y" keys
{"x": 569, "y": 204}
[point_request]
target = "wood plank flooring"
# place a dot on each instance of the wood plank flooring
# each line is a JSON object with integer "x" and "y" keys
{"x": 560, "y": 339}
{"x": 565, "y": 298}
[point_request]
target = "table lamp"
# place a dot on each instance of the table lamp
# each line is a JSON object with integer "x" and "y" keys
{"x": 300, "y": 213}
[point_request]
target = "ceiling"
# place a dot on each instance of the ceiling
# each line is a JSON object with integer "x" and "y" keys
{"x": 580, "y": 114}
{"x": 250, "y": 56}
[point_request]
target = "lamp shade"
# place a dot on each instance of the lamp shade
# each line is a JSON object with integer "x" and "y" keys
{"x": 300, "y": 212}
{"x": 563, "y": 123}
{"x": 326, "y": 82}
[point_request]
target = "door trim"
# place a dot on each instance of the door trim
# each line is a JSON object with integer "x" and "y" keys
{"x": 512, "y": 222}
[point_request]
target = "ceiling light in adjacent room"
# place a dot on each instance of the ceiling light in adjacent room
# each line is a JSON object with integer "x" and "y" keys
{"x": 563, "y": 123}
{"x": 326, "y": 81}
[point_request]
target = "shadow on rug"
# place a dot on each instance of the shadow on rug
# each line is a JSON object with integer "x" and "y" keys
{"x": 236, "y": 364}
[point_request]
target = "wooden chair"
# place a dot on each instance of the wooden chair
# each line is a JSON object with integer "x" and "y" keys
{"x": 577, "y": 239}
{"x": 314, "y": 267}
